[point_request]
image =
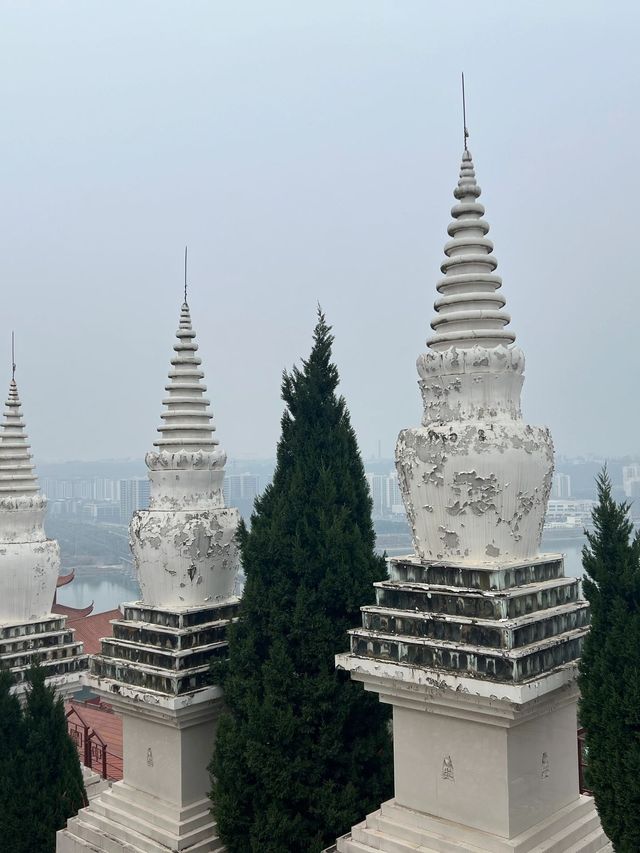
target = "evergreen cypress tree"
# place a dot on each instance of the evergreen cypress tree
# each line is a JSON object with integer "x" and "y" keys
{"x": 11, "y": 762}
{"x": 52, "y": 777}
{"x": 610, "y": 669}
{"x": 304, "y": 752}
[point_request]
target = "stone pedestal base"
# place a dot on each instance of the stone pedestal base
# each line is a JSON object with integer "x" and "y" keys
{"x": 154, "y": 672}
{"x": 396, "y": 829}
{"x": 124, "y": 820}
{"x": 161, "y": 805}
{"x": 480, "y": 666}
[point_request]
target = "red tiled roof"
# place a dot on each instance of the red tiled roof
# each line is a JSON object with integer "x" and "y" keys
{"x": 100, "y": 718}
{"x": 90, "y": 629}
{"x": 63, "y": 580}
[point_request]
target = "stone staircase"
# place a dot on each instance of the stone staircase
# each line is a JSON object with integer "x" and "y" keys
{"x": 395, "y": 829}
{"x": 122, "y": 819}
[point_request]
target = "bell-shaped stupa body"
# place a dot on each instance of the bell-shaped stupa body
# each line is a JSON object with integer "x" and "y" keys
{"x": 29, "y": 562}
{"x": 184, "y": 544}
{"x": 474, "y": 477}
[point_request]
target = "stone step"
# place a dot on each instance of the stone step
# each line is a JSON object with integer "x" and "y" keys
{"x": 170, "y": 639}
{"x": 580, "y": 810}
{"x": 488, "y": 633}
{"x": 185, "y": 617}
{"x": 442, "y": 835}
{"x": 176, "y": 660}
{"x": 512, "y": 665}
{"x": 100, "y": 835}
{"x": 129, "y": 795}
{"x": 489, "y": 576}
{"x": 149, "y": 824}
{"x": 171, "y": 682}
{"x": 59, "y": 637}
{"x": 597, "y": 842}
{"x": 152, "y": 810}
{"x": 477, "y": 604}
{"x": 574, "y": 834}
{"x": 111, "y": 837}
{"x": 68, "y": 841}
{"x": 413, "y": 835}
{"x": 348, "y": 845}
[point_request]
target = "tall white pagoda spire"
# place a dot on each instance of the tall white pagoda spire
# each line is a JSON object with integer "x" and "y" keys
{"x": 187, "y": 419}
{"x": 29, "y": 562}
{"x": 184, "y": 543}
{"x": 475, "y": 478}
{"x": 17, "y": 476}
{"x": 469, "y": 310}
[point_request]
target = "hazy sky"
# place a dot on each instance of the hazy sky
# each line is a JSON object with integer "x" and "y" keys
{"x": 307, "y": 151}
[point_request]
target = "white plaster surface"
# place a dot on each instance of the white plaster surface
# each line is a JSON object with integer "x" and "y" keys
{"x": 184, "y": 544}
{"x": 29, "y": 562}
{"x": 474, "y": 477}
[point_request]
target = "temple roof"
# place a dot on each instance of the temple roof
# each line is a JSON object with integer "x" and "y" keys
{"x": 63, "y": 580}
{"x": 72, "y": 613}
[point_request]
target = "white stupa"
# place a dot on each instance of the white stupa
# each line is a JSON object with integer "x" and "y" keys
{"x": 475, "y": 638}
{"x": 155, "y": 670}
{"x": 29, "y": 568}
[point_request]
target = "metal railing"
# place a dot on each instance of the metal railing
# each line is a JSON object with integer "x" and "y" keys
{"x": 582, "y": 763}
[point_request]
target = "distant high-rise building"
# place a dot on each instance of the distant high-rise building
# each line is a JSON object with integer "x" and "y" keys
{"x": 240, "y": 487}
{"x": 378, "y": 490}
{"x": 631, "y": 480}
{"x": 394, "y": 497}
{"x": 561, "y": 487}
{"x": 134, "y": 494}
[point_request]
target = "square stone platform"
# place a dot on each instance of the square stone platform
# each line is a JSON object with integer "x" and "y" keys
{"x": 155, "y": 672}
{"x": 480, "y": 664}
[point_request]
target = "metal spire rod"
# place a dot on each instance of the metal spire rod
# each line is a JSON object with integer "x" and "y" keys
{"x": 464, "y": 115}
{"x": 13, "y": 356}
{"x": 185, "y": 274}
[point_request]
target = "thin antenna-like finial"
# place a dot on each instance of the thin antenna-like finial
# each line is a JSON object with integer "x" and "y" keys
{"x": 185, "y": 274}
{"x": 13, "y": 356}
{"x": 464, "y": 115}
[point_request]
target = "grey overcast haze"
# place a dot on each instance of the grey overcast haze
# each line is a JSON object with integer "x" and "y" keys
{"x": 306, "y": 152}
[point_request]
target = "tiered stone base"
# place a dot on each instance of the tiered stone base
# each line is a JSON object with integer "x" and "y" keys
{"x": 163, "y": 649}
{"x": 395, "y": 829}
{"x": 49, "y": 642}
{"x": 124, "y": 820}
{"x": 480, "y": 665}
{"x": 155, "y": 672}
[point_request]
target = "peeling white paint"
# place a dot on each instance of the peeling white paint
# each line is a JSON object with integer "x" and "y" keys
{"x": 474, "y": 477}
{"x": 29, "y": 562}
{"x": 183, "y": 545}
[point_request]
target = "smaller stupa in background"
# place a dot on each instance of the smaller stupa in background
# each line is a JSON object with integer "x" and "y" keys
{"x": 155, "y": 670}
{"x": 29, "y": 567}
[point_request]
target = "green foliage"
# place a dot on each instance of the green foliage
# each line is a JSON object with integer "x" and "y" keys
{"x": 40, "y": 776}
{"x": 304, "y": 752}
{"x": 11, "y": 758}
{"x": 610, "y": 669}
